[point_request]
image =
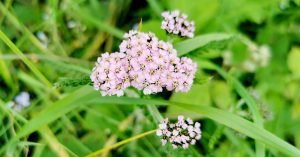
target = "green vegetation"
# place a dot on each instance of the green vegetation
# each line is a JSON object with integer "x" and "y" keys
{"x": 246, "y": 92}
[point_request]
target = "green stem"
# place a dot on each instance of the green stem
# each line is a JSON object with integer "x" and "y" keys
{"x": 98, "y": 152}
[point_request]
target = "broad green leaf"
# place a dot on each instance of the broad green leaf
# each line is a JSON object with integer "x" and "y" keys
{"x": 294, "y": 61}
{"x": 296, "y": 110}
{"x": 221, "y": 94}
{"x": 199, "y": 94}
{"x": 189, "y": 45}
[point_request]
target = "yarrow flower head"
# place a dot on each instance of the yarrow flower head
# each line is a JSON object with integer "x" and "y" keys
{"x": 180, "y": 134}
{"x": 176, "y": 23}
{"x": 146, "y": 63}
{"x": 154, "y": 64}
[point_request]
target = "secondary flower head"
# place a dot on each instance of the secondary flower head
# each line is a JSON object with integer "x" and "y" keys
{"x": 176, "y": 23}
{"x": 110, "y": 75}
{"x": 180, "y": 134}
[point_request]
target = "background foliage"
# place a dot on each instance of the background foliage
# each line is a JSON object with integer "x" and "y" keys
{"x": 48, "y": 49}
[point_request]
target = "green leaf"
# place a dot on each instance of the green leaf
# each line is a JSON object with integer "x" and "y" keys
{"x": 260, "y": 148}
{"x": 221, "y": 94}
{"x": 86, "y": 95}
{"x": 199, "y": 94}
{"x": 294, "y": 61}
{"x": 74, "y": 144}
{"x": 189, "y": 45}
{"x": 94, "y": 140}
{"x": 155, "y": 6}
{"x": 83, "y": 96}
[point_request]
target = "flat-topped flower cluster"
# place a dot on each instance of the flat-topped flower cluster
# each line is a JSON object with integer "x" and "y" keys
{"x": 145, "y": 63}
{"x": 180, "y": 134}
{"x": 176, "y": 23}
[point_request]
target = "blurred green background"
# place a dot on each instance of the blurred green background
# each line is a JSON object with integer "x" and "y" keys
{"x": 54, "y": 45}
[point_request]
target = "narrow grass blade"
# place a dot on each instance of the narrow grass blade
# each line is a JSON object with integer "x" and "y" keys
{"x": 244, "y": 126}
{"x": 23, "y": 28}
{"x": 5, "y": 72}
{"x": 83, "y": 96}
{"x": 86, "y": 95}
{"x": 260, "y": 148}
{"x": 30, "y": 65}
{"x": 189, "y": 45}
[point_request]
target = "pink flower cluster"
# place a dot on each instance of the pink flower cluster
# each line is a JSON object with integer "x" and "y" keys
{"x": 145, "y": 63}
{"x": 180, "y": 134}
{"x": 177, "y": 23}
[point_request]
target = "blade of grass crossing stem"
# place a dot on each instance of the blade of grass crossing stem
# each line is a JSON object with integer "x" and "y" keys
{"x": 120, "y": 143}
{"x": 82, "y": 96}
{"x": 53, "y": 111}
{"x": 153, "y": 111}
{"x": 86, "y": 95}
{"x": 260, "y": 148}
{"x": 189, "y": 45}
{"x": 230, "y": 120}
{"x": 30, "y": 65}
{"x": 54, "y": 144}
